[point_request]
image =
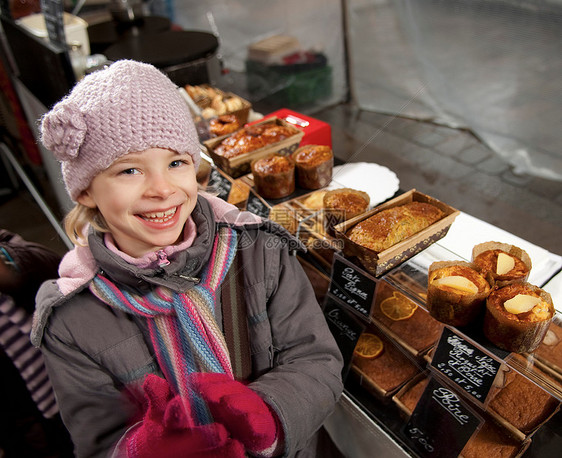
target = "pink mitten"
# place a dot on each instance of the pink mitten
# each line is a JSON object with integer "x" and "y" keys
{"x": 168, "y": 430}
{"x": 244, "y": 413}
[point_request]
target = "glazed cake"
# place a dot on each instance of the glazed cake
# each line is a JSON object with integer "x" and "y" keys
{"x": 389, "y": 227}
{"x": 252, "y": 138}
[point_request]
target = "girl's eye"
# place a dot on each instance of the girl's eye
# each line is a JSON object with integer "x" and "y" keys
{"x": 130, "y": 171}
{"x": 178, "y": 163}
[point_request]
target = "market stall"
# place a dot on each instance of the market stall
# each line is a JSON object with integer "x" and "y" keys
{"x": 414, "y": 374}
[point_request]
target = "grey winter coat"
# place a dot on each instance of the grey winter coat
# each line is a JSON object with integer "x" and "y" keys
{"x": 96, "y": 354}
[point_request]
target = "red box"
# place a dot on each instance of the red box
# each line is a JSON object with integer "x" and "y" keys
{"x": 316, "y": 132}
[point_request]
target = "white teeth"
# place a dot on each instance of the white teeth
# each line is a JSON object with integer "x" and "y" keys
{"x": 160, "y": 217}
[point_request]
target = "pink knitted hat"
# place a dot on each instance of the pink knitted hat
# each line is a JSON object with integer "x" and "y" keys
{"x": 127, "y": 107}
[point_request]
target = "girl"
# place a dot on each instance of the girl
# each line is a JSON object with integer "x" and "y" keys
{"x": 179, "y": 326}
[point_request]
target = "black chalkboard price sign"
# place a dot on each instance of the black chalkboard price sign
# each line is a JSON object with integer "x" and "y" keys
{"x": 219, "y": 184}
{"x": 257, "y": 206}
{"x": 352, "y": 285}
{"x": 345, "y": 328}
{"x": 441, "y": 423}
{"x": 465, "y": 365}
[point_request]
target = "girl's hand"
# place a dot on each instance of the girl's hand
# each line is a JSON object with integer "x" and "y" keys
{"x": 168, "y": 430}
{"x": 241, "y": 410}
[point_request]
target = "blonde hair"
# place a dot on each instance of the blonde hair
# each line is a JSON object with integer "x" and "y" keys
{"x": 78, "y": 219}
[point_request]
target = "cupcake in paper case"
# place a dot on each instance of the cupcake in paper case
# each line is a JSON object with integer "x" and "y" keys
{"x": 456, "y": 292}
{"x": 314, "y": 164}
{"x": 274, "y": 176}
{"x": 501, "y": 263}
{"x": 518, "y": 316}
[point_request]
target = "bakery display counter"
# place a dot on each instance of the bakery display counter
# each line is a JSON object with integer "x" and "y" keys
{"x": 412, "y": 377}
{"x": 440, "y": 380}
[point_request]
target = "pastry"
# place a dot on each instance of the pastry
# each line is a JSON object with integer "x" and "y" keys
{"x": 522, "y": 403}
{"x": 518, "y": 317}
{"x": 389, "y": 370}
{"x": 314, "y": 201}
{"x": 456, "y": 293}
{"x": 313, "y": 165}
{"x": 412, "y": 395}
{"x": 388, "y": 227}
{"x": 491, "y": 441}
{"x": 501, "y": 263}
{"x": 343, "y": 204}
{"x": 413, "y": 326}
{"x": 223, "y": 125}
{"x": 251, "y": 138}
{"x": 274, "y": 176}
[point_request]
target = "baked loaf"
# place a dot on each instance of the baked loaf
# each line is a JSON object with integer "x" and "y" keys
{"x": 314, "y": 164}
{"x": 518, "y": 317}
{"x": 223, "y": 125}
{"x": 456, "y": 293}
{"x": 251, "y": 138}
{"x": 501, "y": 263}
{"x": 388, "y": 227}
{"x": 274, "y": 176}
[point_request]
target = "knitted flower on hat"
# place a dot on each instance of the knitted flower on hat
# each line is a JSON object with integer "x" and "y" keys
{"x": 126, "y": 107}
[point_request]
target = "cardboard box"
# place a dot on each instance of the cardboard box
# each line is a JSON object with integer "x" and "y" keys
{"x": 240, "y": 165}
{"x": 379, "y": 263}
{"x": 272, "y": 49}
{"x": 316, "y": 132}
{"x": 204, "y": 99}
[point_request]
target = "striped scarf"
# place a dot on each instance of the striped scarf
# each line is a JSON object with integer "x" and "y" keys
{"x": 182, "y": 326}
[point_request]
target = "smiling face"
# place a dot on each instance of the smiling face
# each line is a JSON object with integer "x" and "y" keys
{"x": 145, "y": 199}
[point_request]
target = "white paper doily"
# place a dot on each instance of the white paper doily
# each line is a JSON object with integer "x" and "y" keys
{"x": 376, "y": 180}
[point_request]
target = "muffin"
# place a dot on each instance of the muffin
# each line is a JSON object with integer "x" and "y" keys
{"x": 392, "y": 225}
{"x": 518, "y": 317}
{"x": 343, "y": 204}
{"x": 313, "y": 165}
{"x": 501, "y": 263}
{"x": 274, "y": 176}
{"x": 456, "y": 293}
